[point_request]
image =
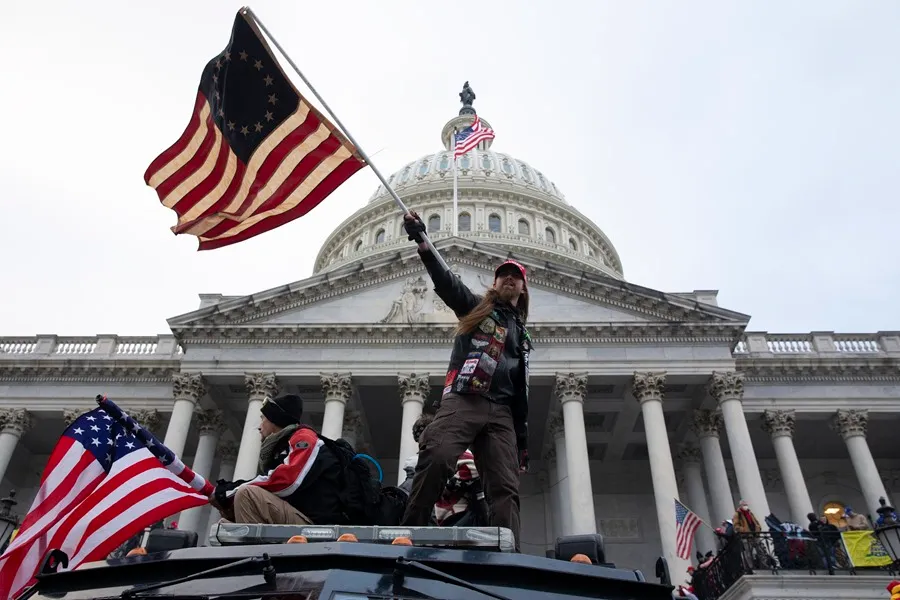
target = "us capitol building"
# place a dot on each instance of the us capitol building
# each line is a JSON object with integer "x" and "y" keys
{"x": 639, "y": 396}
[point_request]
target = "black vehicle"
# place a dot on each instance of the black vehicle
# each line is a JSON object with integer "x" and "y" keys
{"x": 376, "y": 563}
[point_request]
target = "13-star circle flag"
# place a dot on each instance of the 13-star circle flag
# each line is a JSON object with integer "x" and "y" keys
{"x": 255, "y": 154}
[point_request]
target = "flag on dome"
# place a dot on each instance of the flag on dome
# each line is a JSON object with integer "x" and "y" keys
{"x": 255, "y": 154}
{"x": 686, "y": 524}
{"x": 471, "y": 136}
{"x": 106, "y": 480}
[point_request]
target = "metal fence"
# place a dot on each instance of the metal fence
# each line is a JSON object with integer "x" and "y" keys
{"x": 748, "y": 553}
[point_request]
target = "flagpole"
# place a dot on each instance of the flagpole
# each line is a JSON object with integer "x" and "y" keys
{"x": 247, "y": 10}
{"x": 455, "y": 204}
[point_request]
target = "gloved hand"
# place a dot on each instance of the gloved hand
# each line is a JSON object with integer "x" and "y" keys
{"x": 414, "y": 227}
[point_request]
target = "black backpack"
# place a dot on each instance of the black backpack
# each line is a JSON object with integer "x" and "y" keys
{"x": 364, "y": 501}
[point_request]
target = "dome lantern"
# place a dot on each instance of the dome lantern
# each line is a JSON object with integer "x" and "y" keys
{"x": 464, "y": 119}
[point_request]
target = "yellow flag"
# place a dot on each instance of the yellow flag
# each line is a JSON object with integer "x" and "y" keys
{"x": 864, "y": 549}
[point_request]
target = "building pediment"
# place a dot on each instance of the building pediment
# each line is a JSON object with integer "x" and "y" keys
{"x": 396, "y": 291}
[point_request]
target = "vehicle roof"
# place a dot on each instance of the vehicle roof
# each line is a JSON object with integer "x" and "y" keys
{"x": 507, "y": 569}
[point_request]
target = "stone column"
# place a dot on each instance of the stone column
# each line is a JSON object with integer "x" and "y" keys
{"x": 693, "y": 479}
{"x": 211, "y": 426}
{"x": 571, "y": 390}
{"x": 648, "y": 391}
{"x": 780, "y": 425}
{"x": 560, "y": 476}
{"x": 414, "y": 390}
{"x": 228, "y": 452}
{"x": 259, "y": 387}
{"x": 337, "y": 388}
{"x": 728, "y": 389}
{"x": 549, "y": 535}
{"x": 852, "y": 425}
{"x": 187, "y": 389}
{"x": 352, "y": 428}
{"x": 14, "y": 423}
{"x": 707, "y": 425}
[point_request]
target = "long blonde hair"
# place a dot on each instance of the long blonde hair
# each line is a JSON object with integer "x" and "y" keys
{"x": 484, "y": 308}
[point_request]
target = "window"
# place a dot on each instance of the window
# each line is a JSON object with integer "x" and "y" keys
{"x": 357, "y": 246}
{"x": 423, "y": 168}
{"x": 573, "y": 245}
{"x": 434, "y": 223}
{"x": 465, "y": 222}
{"x": 445, "y": 162}
{"x": 485, "y": 162}
{"x": 524, "y": 228}
{"x": 834, "y": 513}
{"x": 551, "y": 237}
{"x": 379, "y": 237}
{"x": 494, "y": 223}
{"x": 465, "y": 162}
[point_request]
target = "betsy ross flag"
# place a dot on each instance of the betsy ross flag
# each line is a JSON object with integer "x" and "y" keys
{"x": 255, "y": 154}
{"x": 106, "y": 480}
{"x": 471, "y": 136}
{"x": 686, "y": 524}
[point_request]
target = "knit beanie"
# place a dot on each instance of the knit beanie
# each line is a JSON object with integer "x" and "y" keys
{"x": 284, "y": 410}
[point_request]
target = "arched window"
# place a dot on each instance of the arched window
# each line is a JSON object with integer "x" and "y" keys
{"x": 494, "y": 223}
{"x": 434, "y": 223}
{"x": 573, "y": 245}
{"x": 834, "y": 513}
{"x": 357, "y": 246}
{"x": 524, "y": 228}
{"x": 465, "y": 222}
{"x": 379, "y": 237}
{"x": 550, "y": 235}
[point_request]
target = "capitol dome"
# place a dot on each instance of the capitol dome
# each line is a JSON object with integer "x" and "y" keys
{"x": 502, "y": 201}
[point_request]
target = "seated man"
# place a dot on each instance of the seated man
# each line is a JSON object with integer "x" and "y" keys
{"x": 299, "y": 477}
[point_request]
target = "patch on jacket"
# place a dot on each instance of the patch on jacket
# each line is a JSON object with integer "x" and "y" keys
{"x": 301, "y": 445}
{"x": 488, "y": 325}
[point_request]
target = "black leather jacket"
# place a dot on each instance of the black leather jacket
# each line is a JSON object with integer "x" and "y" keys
{"x": 492, "y": 360}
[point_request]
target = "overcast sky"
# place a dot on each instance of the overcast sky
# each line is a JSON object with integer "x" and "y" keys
{"x": 749, "y": 147}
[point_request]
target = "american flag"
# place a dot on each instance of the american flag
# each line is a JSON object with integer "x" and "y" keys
{"x": 255, "y": 154}
{"x": 106, "y": 480}
{"x": 471, "y": 136}
{"x": 686, "y": 524}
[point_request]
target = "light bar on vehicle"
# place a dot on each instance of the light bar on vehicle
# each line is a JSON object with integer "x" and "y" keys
{"x": 498, "y": 539}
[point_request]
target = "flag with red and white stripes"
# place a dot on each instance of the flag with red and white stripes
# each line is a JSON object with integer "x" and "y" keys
{"x": 107, "y": 479}
{"x": 255, "y": 154}
{"x": 471, "y": 136}
{"x": 686, "y": 524}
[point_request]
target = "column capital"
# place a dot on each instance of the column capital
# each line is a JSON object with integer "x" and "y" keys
{"x": 550, "y": 454}
{"x": 261, "y": 385}
{"x": 337, "y": 386}
{"x": 648, "y": 386}
{"x": 707, "y": 423}
{"x": 210, "y": 422}
{"x": 779, "y": 423}
{"x": 850, "y": 423}
{"x": 413, "y": 387}
{"x": 556, "y": 426}
{"x": 149, "y": 419}
{"x": 689, "y": 455}
{"x": 16, "y": 421}
{"x": 71, "y": 415}
{"x": 228, "y": 450}
{"x": 728, "y": 385}
{"x": 571, "y": 387}
{"x": 188, "y": 386}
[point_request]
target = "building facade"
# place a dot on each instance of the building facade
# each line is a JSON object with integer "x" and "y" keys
{"x": 639, "y": 396}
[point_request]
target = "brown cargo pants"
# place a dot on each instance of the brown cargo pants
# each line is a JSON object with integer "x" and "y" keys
{"x": 252, "y": 504}
{"x": 468, "y": 422}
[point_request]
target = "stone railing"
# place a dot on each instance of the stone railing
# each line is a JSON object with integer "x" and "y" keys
{"x": 817, "y": 343}
{"x": 51, "y": 346}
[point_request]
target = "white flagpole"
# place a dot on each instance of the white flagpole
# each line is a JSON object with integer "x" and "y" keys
{"x": 455, "y": 203}
{"x": 247, "y": 10}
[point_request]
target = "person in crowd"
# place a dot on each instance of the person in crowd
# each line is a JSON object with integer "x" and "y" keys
{"x": 299, "y": 477}
{"x": 856, "y": 521}
{"x": 827, "y": 536}
{"x": 484, "y": 405}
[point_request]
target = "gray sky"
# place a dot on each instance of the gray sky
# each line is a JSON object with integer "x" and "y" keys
{"x": 747, "y": 147}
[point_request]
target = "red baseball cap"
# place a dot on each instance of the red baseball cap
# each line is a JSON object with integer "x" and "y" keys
{"x": 515, "y": 264}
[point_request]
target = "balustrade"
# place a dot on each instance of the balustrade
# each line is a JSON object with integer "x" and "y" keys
{"x": 813, "y": 344}
{"x": 104, "y": 345}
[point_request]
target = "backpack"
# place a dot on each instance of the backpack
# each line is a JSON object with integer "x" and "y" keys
{"x": 364, "y": 501}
